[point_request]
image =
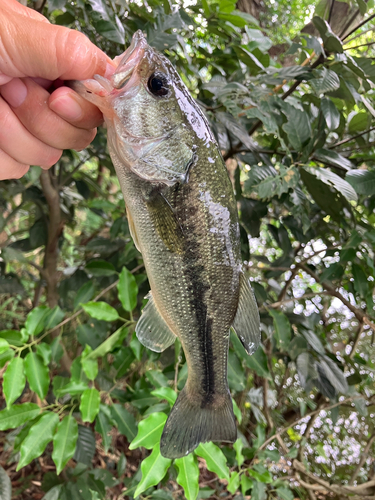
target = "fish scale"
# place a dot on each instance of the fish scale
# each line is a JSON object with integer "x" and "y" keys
{"x": 183, "y": 218}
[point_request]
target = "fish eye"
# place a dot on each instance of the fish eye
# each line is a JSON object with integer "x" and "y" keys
{"x": 158, "y": 85}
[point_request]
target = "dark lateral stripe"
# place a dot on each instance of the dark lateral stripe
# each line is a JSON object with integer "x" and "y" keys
{"x": 188, "y": 215}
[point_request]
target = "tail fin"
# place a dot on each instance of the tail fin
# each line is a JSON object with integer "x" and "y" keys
{"x": 189, "y": 424}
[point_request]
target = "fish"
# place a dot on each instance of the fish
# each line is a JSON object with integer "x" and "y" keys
{"x": 183, "y": 219}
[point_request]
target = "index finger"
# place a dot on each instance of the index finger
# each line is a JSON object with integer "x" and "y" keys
{"x": 47, "y": 51}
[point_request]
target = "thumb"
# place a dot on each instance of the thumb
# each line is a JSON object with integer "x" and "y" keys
{"x": 45, "y": 50}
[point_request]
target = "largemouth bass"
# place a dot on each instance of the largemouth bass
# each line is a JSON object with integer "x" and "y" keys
{"x": 183, "y": 219}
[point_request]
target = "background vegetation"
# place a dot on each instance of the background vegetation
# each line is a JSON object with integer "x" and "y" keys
{"x": 83, "y": 402}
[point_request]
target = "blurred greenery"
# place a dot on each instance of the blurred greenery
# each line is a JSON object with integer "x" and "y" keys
{"x": 83, "y": 402}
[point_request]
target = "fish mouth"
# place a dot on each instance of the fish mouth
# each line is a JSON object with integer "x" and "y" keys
{"x": 129, "y": 61}
{"x": 125, "y": 77}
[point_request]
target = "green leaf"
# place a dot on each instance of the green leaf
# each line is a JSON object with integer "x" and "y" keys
{"x": 215, "y": 459}
{"x": 246, "y": 484}
{"x": 358, "y": 123}
{"x": 296, "y": 346}
{"x": 5, "y": 486}
{"x": 332, "y": 158}
{"x": 35, "y": 320}
{"x": 363, "y": 181}
{"x": 282, "y": 329}
{"x": 37, "y": 374}
{"x": 234, "y": 482}
{"x": 262, "y": 475}
{"x": 331, "y": 179}
{"x": 5, "y": 357}
{"x": 84, "y": 294}
{"x": 238, "y": 446}
{"x": 18, "y": 415}
{"x": 157, "y": 378}
{"x": 188, "y": 475}
{"x": 14, "y": 337}
{"x": 4, "y": 346}
{"x": 326, "y": 81}
{"x": 89, "y": 364}
{"x": 237, "y": 411}
{"x": 258, "y": 363}
{"x": 104, "y": 427}
{"x": 165, "y": 393}
{"x": 235, "y": 373}
{"x": 330, "y": 113}
{"x": 40, "y": 434}
{"x": 297, "y": 128}
{"x": 334, "y": 374}
{"x": 285, "y": 493}
{"x": 125, "y": 421}
{"x": 101, "y": 310}
{"x": 53, "y": 318}
{"x": 259, "y": 491}
{"x": 55, "y": 492}
{"x": 89, "y": 406}
{"x": 149, "y": 431}
{"x": 333, "y": 272}
{"x": 64, "y": 442}
{"x": 108, "y": 344}
{"x": 154, "y": 468}
{"x": 14, "y": 380}
{"x": 361, "y": 284}
{"x": 45, "y": 352}
{"x": 100, "y": 268}
{"x": 127, "y": 290}
{"x": 85, "y": 447}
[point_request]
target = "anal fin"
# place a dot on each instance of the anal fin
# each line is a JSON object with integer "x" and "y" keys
{"x": 246, "y": 323}
{"x": 152, "y": 331}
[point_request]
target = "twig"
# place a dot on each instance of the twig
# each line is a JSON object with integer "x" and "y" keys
{"x": 356, "y": 339}
{"x": 358, "y": 46}
{"x": 284, "y": 429}
{"x": 331, "y": 11}
{"x": 365, "y": 21}
{"x": 361, "y": 489}
{"x": 348, "y": 24}
{"x": 349, "y": 139}
{"x": 358, "y": 313}
{"x": 103, "y": 292}
{"x": 359, "y": 34}
{"x": 362, "y": 459}
{"x": 70, "y": 175}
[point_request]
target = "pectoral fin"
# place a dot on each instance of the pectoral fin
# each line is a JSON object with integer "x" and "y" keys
{"x": 132, "y": 230}
{"x": 152, "y": 331}
{"x": 246, "y": 322}
{"x": 165, "y": 222}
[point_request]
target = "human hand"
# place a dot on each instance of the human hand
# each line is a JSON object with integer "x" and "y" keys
{"x": 35, "y": 126}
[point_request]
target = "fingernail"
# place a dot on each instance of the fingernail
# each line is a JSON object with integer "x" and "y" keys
{"x": 14, "y": 92}
{"x": 66, "y": 107}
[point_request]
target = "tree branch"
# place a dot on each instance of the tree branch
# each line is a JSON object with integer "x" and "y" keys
{"x": 55, "y": 227}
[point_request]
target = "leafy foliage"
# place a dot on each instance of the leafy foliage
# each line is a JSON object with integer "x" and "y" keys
{"x": 297, "y": 135}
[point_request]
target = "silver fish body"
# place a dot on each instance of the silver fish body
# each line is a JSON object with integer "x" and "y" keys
{"x": 183, "y": 219}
